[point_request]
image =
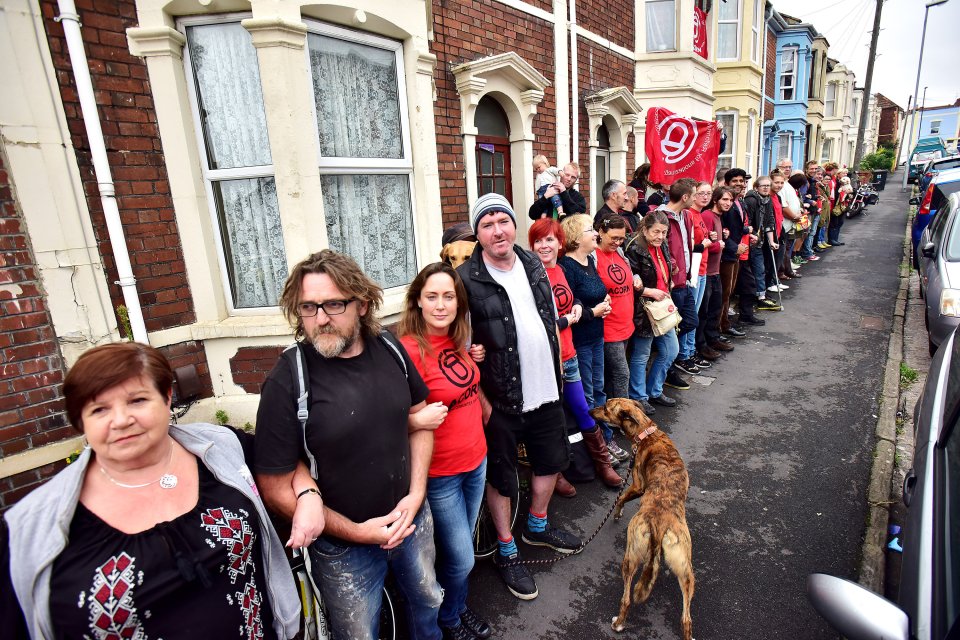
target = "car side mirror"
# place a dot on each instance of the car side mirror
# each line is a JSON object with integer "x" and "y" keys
{"x": 857, "y": 613}
{"x": 915, "y": 200}
{"x": 927, "y": 250}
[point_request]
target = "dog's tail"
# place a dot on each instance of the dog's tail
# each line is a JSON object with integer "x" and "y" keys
{"x": 651, "y": 569}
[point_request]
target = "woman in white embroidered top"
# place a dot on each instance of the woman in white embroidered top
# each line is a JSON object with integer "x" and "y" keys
{"x": 156, "y": 530}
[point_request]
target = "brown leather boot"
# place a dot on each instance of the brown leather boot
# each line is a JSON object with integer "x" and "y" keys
{"x": 564, "y": 488}
{"x": 597, "y": 447}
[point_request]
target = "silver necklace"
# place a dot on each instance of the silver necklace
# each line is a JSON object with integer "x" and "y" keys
{"x": 167, "y": 480}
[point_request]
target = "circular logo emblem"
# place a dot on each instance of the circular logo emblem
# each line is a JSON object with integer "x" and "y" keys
{"x": 617, "y": 273}
{"x": 455, "y": 369}
{"x": 671, "y": 308}
{"x": 678, "y": 137}
{"x": 564, "y": 298}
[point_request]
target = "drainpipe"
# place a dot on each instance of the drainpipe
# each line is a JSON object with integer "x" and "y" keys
{"x": 763, "y": 87}
{"x": 574, "y": 84}
{"x": 98, "y": 152}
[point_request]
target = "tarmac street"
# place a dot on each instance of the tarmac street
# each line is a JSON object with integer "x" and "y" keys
{"x": 778, "y": 438}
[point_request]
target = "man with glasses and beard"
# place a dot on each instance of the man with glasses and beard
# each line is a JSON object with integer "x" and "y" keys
{"x": 369, "y": 438}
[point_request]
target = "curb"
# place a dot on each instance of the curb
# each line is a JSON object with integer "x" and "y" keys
{"x": 873, "y": 552}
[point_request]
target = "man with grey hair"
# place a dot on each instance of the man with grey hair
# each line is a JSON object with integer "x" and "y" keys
{"x": 614, "y": 193}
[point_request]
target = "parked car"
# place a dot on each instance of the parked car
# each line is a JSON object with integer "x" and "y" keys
{"x": 928, "y": 602}
{"x": 941, "y": 186}
{"x": 940, "y": 272}
{"x": 929, "y": 148}
{"x": 934, "y": 167}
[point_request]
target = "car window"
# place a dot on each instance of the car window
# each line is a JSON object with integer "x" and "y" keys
{"x": 939, "y": 222}
{"x": 942, "y": 165}
{"x": 947, "y": 521}
{"x": 941, "y": 192}
{"x": 952, "y": 248}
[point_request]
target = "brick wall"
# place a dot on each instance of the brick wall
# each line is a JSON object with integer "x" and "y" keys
{"x": 475, "y": 29}
{"x": 889, "y": 121}
{"x": 770, "y": 86}
{"x": 31, "y": 368}
{"x": 130, "y": 130}
{"x": 613, "y": 19}
{"x": 187, "y": 353}
{"x": 250, "y": 366}
{"x": 600, "y": 68}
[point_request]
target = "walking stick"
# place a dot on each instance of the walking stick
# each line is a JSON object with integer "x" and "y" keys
{"x": 776, "y": 275}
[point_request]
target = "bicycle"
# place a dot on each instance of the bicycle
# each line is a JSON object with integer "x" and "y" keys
{"x": 484, "y": 532}
{"x": 314, "y": 623}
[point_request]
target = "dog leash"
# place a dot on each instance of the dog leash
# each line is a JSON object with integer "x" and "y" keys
{"x": 583, "y": 545}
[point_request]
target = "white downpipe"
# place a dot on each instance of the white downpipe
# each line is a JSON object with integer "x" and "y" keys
{"x": 763, "y": 98}
{"x": 98, "y": 151}
{"x": 574, "y": 85}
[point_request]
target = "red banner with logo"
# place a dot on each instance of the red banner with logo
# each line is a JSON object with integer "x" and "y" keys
{"x": 700, "y": 32}
{"x": 679, "y": 147}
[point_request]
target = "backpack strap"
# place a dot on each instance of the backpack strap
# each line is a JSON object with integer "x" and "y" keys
{"x": 390, "y": 341}
{"x": 302, "y": 398}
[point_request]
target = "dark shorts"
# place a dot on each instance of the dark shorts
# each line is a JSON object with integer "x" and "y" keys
{"x": 544, "y": 433}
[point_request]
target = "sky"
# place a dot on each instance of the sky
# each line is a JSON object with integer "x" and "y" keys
{"x": 847, "y": 24}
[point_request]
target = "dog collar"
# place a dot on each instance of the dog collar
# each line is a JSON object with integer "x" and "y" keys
{"x": 643, "y": 434}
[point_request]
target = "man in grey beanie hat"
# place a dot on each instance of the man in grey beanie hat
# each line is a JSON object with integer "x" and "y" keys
{"x": 488, "y": 203}
{"x": 513, "y": 315}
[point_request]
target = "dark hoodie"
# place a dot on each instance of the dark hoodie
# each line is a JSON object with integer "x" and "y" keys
{"x": 760, "y": 210}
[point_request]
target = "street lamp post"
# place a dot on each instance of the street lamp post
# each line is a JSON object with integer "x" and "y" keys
{"x": 916, "y": 88}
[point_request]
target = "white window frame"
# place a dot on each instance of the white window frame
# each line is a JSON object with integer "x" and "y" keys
{"x": 210, "y": 176}
{"x": 794, "y": 52}
{"x": 785, "y": 151}
{"x": 830, "y": 105}
{"x": 737, "y": 21}
{"x": 731, "y": 150}
{"x": 647, "y": 5}
{"x": 824, "y": 149}
{"x": 935, "y": 126}
{"x": 756, "y": 30}
{"x": 748, "y": 155}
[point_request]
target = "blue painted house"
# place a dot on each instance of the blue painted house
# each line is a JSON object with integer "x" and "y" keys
{"x": 943, "y": 121}
{"x": 797, "y": 89}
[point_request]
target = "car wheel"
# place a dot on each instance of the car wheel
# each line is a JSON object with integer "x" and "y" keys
{"x": 932, "y": 348}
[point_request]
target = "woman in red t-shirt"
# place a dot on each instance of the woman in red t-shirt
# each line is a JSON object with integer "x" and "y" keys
{"x": 546, "y": 240}
{"x": 434, "y": 330}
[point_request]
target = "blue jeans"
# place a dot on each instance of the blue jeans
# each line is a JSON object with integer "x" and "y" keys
{"x": 807, "y": 250}
{"x": 455, "y": 503}
{"x": 350, "y": 577}
{"x": 688, "y": 343}
{"x": 759, "y": 270}
{"x": 590, "y": 357}
{"x": 642, "y": 385}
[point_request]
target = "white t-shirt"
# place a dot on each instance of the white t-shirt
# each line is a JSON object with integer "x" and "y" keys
{"x": 537, "y": 378}
{"x": 792, "y": 201}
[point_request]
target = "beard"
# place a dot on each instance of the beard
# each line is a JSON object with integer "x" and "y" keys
{"x": 333, "y": 348}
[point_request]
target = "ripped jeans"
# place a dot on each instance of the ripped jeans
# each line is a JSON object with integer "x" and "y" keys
{"x": 351, "y": 577}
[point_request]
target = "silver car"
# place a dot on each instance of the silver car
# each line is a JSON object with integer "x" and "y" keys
{"x": 929, "y": 599}
{"x": 939, "y": 259}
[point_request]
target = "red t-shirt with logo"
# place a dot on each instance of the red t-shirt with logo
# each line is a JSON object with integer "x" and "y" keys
{"x": 459, "y": 444}
{"x": 699, "y": 233}
{"x": 617, "y": 277}
{"x": 563, "y": 296}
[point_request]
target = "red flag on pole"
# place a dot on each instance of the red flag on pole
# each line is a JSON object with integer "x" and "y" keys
{"x": 679, "y": 147}
{"x": 700, "y": 33}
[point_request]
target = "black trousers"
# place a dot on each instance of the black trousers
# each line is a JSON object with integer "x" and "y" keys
{"x": 708, "y": 330}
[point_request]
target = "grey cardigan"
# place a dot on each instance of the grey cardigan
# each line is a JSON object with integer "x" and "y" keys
{"x": 40, "y": 522}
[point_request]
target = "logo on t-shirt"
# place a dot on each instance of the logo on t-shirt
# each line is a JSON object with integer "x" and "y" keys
{"x": 564, "y": 298}
{"x": 617, "y": 273}
{"x": 455, "y": 369}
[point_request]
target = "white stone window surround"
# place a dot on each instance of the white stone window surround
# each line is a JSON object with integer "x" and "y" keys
{"x": 756, "y": 42}
{"x": 518, "y": 89}
{"x": 730, "y": 153}
{"x": 279, "y": 33}
{"x": 788, "y": 79}
{"x": 736, "y": 21}
{"x": 619, "y": 110}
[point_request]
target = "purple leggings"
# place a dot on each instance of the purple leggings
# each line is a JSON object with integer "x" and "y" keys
{"x": 573, "y": 396}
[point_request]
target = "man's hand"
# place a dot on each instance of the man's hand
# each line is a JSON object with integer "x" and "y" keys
{"x": 742, "y": 249}
{"x": 408, "y": 507}
{"x": 308, "y": 521}
{"x": 378, "y": 530}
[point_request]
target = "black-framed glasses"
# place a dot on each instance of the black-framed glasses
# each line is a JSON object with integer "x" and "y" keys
{"x": 330, "y": 307}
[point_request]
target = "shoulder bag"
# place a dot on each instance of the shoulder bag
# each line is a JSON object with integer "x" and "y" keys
{"x": 663, "y": 314}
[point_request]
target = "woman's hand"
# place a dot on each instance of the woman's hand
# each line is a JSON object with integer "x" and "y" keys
{"x": 656, "y": 294}
{"x": 637, "y": 282}
{"x": 430, "y": 417}
{"x": 574, "y": 316}
{"x": 478, "y": 352}
{"x": 308, "y": 521}
{"x": 742, "y": 249}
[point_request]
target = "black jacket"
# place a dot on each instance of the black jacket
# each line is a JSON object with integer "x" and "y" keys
{"x": 733, "y": 221}
{"x": 641, "y": 263}
{"x": 572, "y": 200}
{"x": 761, "y": 214}
{"x": 495, "y": 328}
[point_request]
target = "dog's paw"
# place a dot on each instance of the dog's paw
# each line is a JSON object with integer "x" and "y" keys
{"x": 618, "y": 627}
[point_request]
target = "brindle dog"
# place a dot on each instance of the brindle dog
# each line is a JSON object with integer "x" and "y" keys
{"x": 660, "y": 481}
{"x": 457, "y": 252}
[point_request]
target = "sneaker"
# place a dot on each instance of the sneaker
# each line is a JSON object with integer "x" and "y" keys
{"x": 664, "y": 401}
{"x": 731, "y": 312}
{"x": 796, "y": 260}
{"x": 687, "y": 366}
{"x": 777, "y": 288}
{"x": 813, "y": 258}
{"x": 674, "y": 380}
{"x": 768, "y": 305}
{"x": 516, "y": 576}
{"x": 475, "y": 624}
{"x": 757, "y": 322}
{"x": 458, "y": 632}
{"x": 648, "y": 408}
{"x": 617, "y": 451}
{"x": 701, "y": 362}
{"x": 556, "y": 539}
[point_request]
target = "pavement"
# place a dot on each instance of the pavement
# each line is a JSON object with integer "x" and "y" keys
{"x": 790, "y": 442}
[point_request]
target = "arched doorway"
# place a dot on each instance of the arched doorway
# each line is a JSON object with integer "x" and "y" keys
{"x": 493, "y": 149}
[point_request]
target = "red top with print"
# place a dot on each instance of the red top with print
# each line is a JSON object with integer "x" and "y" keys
{"x": 618, "y": 278}
{"x": 563, "y": 296}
